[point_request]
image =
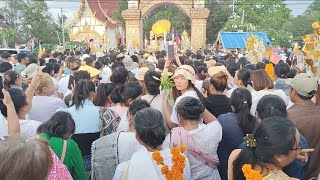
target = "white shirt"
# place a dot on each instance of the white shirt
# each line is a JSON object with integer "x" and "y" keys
{"x": 199, "y": 85}
{"x": 127, "y": 145}
{"x": 123, "y": 124}
{"x": 207, "y": 137}
{"x": 174, "y": 115}
{"x": 257, "y": 95}
{"x": 28, "y": 128}
{"x": 63, "y": 85}
{"x": 150, "y": 166}
{"x": 43, "y": 107}
{"x": 105, "y": 74}
{"x": 157, "y": 102}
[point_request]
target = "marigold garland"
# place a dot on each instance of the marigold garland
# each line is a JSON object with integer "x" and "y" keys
{"x": 178, "y": 160}
{"x": 250, "y": 173}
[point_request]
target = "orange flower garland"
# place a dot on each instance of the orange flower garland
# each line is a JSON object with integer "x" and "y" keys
{"x": 250, "y": 173}
{"x": 178, "y": 160}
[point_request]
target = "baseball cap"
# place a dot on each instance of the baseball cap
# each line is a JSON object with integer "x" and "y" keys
{"x": 304, "y": 84}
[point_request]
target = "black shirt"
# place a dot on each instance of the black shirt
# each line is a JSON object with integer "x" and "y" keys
{"x": 218, "y": 104}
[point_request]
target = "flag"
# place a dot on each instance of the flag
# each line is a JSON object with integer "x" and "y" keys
{"x": 177, "y": 39}
{"x": 39, "y": 50}
{"x": 275, "y": 58}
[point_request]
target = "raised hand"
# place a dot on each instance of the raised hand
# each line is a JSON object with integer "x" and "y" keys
{"x": 6, "y": 98}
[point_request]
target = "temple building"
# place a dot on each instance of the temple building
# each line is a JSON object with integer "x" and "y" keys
{"x": 96, "y": 25}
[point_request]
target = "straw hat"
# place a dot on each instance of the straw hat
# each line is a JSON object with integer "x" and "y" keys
{"x": 210, "y": 63}
{"x": 187, "y": 71}
{"x": 141, "y": 72}
{"x": 30, "y": 71}
{"x": 129, "y": 64}
{"x": 215, "y": 69}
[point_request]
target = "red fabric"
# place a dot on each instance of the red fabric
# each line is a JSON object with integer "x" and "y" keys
{"x": 275, "y": 58}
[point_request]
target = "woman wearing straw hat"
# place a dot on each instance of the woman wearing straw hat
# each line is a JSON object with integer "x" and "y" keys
{"x": 184, "y": 79}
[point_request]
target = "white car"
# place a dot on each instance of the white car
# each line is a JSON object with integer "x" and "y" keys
{"x": 13, "y": 51}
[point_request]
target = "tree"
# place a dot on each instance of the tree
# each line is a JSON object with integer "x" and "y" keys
{"x": 179, "y": 20}
{"x": 219, "y": 15}
{"x": 301, "y": 25}
{"x": 263, "y": 15}
{"x": 315, "y": 6}
{"x": 30, "y": 19}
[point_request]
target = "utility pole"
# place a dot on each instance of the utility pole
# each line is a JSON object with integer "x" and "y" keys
{"x": 62, "y": 25}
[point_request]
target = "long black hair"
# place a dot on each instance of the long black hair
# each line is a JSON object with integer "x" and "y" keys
{"x": 119, "y": 75}
{"x": 123, "y": 93}
{"x": 241, "y": 101}
{"x": 82, "y": 92}
{"x": 274, "y": 136}
{"x": 152, "y": 85}
{"x": 60, "y": 124}
{"x": 19, "y": 100}
{"x": 10, "y": 78}
{"x": 104, "y": 90}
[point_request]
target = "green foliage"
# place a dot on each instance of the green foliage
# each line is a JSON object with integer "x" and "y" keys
{"x": 264, "y": 15}
{"x": 179, "y": 20}
{"x": 30, "y": 19}
{"x": 315, "y": 6}
{"x": 301, "y": 25}
{"x": 219, "y": 15}
{"x": 123, "y": 5}
{"x": 10, "y": 36}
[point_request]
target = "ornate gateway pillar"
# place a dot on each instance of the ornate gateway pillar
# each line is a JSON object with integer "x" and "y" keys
{"x": 132, "y": 18}
{"x": 199, "y": 27}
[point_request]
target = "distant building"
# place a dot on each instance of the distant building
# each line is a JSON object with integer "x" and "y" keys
{"x": 96, "y": 25}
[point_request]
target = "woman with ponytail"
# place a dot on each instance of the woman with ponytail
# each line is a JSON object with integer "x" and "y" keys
{"x": 86, "y": 117}
{"x": 235, "y": 126}
{"x": 274, "y": 145}
{"x": 58, "y": 131}
{"x": 122, "y": 96}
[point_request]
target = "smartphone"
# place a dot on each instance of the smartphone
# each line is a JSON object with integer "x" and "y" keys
{"x": 171, "y": 53}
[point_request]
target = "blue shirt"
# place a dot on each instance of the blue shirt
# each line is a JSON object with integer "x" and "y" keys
{"x": 281, "y": 84}
{"x": 232, "y": 137}
{"x": 86, "y": 118}
{"x": 297, "y": 168}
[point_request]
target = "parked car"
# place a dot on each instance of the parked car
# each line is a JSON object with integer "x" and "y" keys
{"x": 13, "y": 51}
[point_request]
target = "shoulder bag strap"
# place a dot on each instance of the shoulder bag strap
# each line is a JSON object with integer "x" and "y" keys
{"x": 153, "y": 99}
{"x": 64, "y": 148}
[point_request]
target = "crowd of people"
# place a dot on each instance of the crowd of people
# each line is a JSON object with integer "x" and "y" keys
{"x": 74, "y": 115}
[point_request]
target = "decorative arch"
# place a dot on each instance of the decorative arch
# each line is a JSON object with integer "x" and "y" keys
{"x": 148, "y": 8}
{"x": 137, "y": 10}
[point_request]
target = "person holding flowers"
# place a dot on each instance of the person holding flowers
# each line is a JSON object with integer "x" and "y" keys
{"x": 184, "y": 81}
{"x": 153, "y": 161}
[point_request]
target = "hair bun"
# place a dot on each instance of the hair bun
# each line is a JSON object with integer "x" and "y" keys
{"x": 120, "y": 87}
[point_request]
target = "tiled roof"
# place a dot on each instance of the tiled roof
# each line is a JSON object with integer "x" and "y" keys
{"x": 104, "y": 10}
